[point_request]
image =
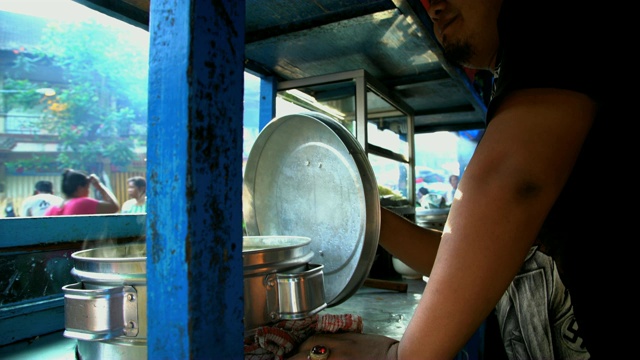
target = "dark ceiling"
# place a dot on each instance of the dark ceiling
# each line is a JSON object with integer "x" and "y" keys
{"x": 391, "y": 40}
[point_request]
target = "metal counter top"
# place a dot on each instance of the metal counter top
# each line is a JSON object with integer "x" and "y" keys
{"x": 384, "y": 312}
{"x": 388, "y": 312}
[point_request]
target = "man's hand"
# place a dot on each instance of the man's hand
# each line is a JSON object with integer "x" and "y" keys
{"x": 350, "y": 346}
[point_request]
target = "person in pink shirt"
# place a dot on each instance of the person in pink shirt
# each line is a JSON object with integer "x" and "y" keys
{"x": 75, "y": 187}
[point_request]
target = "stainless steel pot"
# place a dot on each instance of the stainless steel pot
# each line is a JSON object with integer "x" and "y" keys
{"x": 279, "y": 281}
{"x": 106, "y": 311}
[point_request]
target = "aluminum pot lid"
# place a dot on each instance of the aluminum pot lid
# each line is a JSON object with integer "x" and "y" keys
{"x": 307, "y": 175}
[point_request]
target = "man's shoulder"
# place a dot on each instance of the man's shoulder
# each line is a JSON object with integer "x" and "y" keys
{"x": 50, "y": 197}
{"x": 31, "y": 199}
{"x": 35, "y": 199}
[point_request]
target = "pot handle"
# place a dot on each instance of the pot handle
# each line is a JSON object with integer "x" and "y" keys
{"x": 292, "y": 296}
{"x": 100, "y": 314}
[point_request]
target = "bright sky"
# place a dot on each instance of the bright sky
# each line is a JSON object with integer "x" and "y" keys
{"x": 67, "y": 10}
{"x": 58, "y": 9}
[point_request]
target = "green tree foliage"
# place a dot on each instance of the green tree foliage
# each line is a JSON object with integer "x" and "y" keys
{"x": 100, "y": 110}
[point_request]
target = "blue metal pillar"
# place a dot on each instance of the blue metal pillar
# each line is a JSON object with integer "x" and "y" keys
{"x": 268, "y": 91}
{"x": 194, "y": 221}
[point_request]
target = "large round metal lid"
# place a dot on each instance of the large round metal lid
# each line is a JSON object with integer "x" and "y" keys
{"x": 306, "y": 175}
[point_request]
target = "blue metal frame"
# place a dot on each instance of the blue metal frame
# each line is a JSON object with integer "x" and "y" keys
{"x": 194, "y": 240}
{"x": 29, "y": 231}
{"x": 268, "y": 91}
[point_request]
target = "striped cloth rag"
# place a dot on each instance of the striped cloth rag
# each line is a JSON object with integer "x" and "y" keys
{"x": 274, "y": 342}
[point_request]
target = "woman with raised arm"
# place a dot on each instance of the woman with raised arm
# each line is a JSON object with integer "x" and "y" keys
{"x": 75, "y": 187}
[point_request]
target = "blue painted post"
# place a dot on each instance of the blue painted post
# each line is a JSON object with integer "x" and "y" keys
{"x": 268, "y": 90}
{"x": 194, "y": 229}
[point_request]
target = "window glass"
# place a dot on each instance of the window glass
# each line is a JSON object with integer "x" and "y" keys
{"x": 392, "y": 179}
{"x": 73, "y": 94}
{"x": 335, "y": 100}
{"x": 251, "y": 117}
{"x": 439, "y": 157}
{"x": 386, "y": 125}
{"x": 31, "y": 275}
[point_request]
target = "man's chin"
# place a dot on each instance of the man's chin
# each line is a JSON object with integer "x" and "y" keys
{"x": 459, "y": 54}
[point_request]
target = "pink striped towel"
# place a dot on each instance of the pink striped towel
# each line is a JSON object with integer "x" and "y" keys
{"x": 276, "y": 341}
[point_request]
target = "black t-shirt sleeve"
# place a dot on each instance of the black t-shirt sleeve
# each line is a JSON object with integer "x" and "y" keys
{"x": 549, "y": 47}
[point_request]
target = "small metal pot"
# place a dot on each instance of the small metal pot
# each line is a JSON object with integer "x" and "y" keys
{"x": 107, "y": 310}
{"x": 279, "y": 281}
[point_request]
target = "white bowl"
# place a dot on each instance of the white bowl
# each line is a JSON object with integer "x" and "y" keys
{"x": 404, "y": 270}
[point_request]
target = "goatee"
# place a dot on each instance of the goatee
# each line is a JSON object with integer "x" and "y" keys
{"x": 459, "y": 53}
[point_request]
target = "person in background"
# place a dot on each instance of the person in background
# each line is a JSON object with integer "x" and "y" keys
{"x": 75, "y": 187}
{"x": 9, "y": 210}
{"x": 432, "y": 201}
{"x": 137, "y": 190}
{"x": 453, "y": 181}
{"x": 422, "y": 192}
{"x": 551, "y": 122}
{"x": 42, "y": 198}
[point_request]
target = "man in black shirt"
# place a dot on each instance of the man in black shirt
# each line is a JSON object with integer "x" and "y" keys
{"x": 526, "y": 236}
